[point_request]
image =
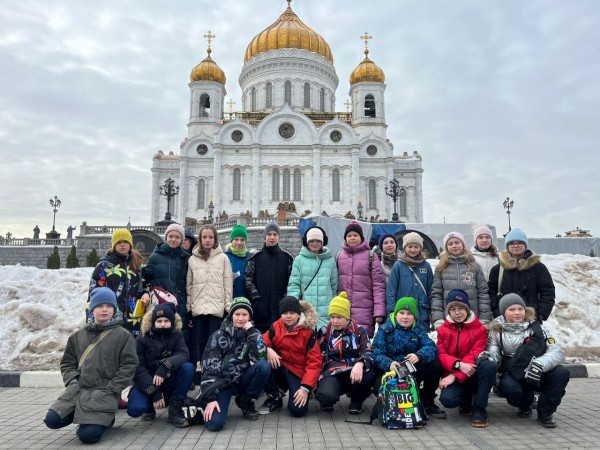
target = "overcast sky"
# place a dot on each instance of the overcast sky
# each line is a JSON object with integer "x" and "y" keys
{"x": 501, "y": 98}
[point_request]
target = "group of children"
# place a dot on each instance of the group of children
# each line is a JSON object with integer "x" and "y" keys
{"x": 268, "y": 342}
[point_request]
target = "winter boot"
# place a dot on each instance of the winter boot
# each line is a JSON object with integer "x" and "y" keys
{"x": 433, "y": 410}
{"x": 176, "y": 416}
{"x": 246, "y": 404}
{"x": 355, "y": 408}
{"x": 271, "y": 404}
{"x": 479, "y": 417}
{"x": 547, "y": 420}
{"x": 150, "y": 414}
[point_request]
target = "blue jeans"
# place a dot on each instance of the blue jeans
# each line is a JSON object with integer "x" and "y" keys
{"x": 286, "y": 380}
{"x": 252, "y": 384}
{"x": 88, "y": 433}
{"x": 481, "y": 383}
{"x": 174, "y": 388}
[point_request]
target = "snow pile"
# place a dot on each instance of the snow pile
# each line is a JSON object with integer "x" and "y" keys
{"x": 39, "y": 309}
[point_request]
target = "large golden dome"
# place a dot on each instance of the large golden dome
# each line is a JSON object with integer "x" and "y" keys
{"x": 208, "y": 70}
{"x": 367, "y": 70}
{"x": 288, "y": 32}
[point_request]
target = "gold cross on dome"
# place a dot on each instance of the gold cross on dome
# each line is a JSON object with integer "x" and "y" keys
{"x": 231, "y": 103}
{"x": 347, "y": 104}
{"x": 366, "y": 37}
{"x": 209, "y": 37}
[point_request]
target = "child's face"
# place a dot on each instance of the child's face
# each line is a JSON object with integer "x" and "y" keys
{"x": 103, "y": 313}
{"x": 272, "y": 239}
{"x": 353, "y": 239}
{"x": 338, "y": 322}
{"x": 240, "y": 317}
{"x": 455, "y": 246}
{"x": 388, "y": 246}
{"x": 122, "y": 247}
{"x": 514, "y": 314}
{"x": 484, "y": 241}
{"x": 208, "y": 239}
{"x": 162, "y": 322}
{"x": 174, "y": 239}
{"x": 187, "y": 244}
{"x": 315, "y": 246}
{"x": 458, "y": 314}
{"x": 239, "y": 243}
{"x": 405, "y": 318}
{"x": 290, "y": 318}
{"x": 412, "y": 250}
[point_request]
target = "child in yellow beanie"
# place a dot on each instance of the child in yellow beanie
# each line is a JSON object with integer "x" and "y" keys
{"x": 347, "y": 363}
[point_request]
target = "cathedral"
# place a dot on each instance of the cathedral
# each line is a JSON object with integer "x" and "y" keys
{"x": 288, "y": 146}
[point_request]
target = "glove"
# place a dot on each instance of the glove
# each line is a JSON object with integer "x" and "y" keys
{"x": 533, "y": 373}
{"x": 483, "y": 356}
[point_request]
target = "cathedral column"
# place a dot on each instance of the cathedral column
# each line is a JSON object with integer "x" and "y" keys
{"x": 411, "y": 205}
{"x": 183, "y": 189}
{"x": 155, "y": 207}
{"x": 316, "y": 163}
{"x": 419, "y": 196}
{"x": 256, "y": 179}
{"x": 355, "y": 177}
{"x": 389, "y": 203}
{"x": 217, "y": 182}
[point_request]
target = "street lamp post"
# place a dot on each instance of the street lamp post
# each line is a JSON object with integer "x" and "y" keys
{"x": 169, "y": 190}
{"x": 394, "y": 192}
{"x": 54, "y": 204}
{"x": 508, "y": 205}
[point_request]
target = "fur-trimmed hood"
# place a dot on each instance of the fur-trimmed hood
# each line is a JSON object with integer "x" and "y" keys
{"x": 529, "y": 260}
{"x": 309, "y": 317}
{"x": 500, "y": 324}
{"x": 147, "y": 323}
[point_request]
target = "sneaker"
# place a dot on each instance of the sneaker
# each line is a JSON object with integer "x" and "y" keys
{"x": 271, "y": 404}
{"x": 355, "y": 409}
{"x": 524, "y": 412}
{"x": 547, "y": 421}
{"x": 465, "y": 410}
{"x": 327, "y": 408}
{"x": 479, "y": 417}
{"x": 434, "y": 410}
{"x": 246, "y": 404}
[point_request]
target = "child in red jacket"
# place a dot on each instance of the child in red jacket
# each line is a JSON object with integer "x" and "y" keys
{"x": 294, "y": 355}
{"x": 466, "y": 382}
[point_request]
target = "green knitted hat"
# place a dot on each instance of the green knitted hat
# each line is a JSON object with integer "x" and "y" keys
{"x": 406, "y": 304}
{"x": 238, "y": 231}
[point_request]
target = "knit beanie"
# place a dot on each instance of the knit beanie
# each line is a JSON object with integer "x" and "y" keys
{"x": 458, "y": 297}
{"x": 340, "y": 305}
{"x": 384, "y": 237}
{"x": 121, "y": 234}
{"x": 516, "y": 234}
{"x": 289, "y": 303}
{"x": 412, "y": 238}
{"x": 238, "y": 231}
{"x": 240, "y": 302}
{"x": 481, "y": 230}
{"x": 508, "y": 300}
{"x": 457, "y": 235}
{"x": 271, "y": 226}
{"x": 354, "y": 226}
{"x": 314, "y": 234}
{"x": 175, "y": 227}
{"x": 165, "y": 310}
{"x": 407, "y": 304}
{"x": 103, "y": 296}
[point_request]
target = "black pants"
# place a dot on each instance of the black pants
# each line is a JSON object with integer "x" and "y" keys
{"x": 428, "y": 374}
{"x": 88, "y": 433}
{"x": 203, "y": 327}
{"x": 552, "y": 390}
{"x": 332, "y": 387}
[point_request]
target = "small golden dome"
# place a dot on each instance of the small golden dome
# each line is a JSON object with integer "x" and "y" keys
{"x": 288, "y": 32}
{"x": 208, "y": 70}
{"x": 367, "y": 70}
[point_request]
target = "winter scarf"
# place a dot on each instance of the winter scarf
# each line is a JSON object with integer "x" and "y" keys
{"x": 241, "y": 253}
{"x": 411, "y": 262}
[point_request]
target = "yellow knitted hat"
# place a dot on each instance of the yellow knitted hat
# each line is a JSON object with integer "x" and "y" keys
{"x": 340, "y": 305}
{"x": 121, "y": 234}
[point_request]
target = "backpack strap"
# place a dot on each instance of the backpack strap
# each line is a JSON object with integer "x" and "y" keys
{"x": 91, "y": 347}
{"x": 311, "y": 341}
{"x": 271, "y": 333}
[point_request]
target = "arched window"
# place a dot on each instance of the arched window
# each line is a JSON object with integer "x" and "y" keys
{"x": 288, "y": 93}
{"x": 322, "y": 100}
{"x": 204, "y": 105}
{"x": 335, "y": 184}
{"x": 275, "y": 185}
{"x": 237, "y": 184}
{"x": 269, "y": 99}
{"x": 402, "y": 201}
{"x": 286, "y": 185}
{"x": 372, "y": 195}
{"x": 253, "y": 99}
{"x": 297, "y": 185}
{"x": 370, "y": 106}
{"x": 201, "y": 194}
{"x": 306, "y": 95}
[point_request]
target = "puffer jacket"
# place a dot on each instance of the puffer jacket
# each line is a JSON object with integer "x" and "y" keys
{"x": 460, "y": 342}
{"x": 209, "y": 283}
{"x": 292, "y": 345}
{"x": 365, "y": 288}
{"x": 229, "y": 353}
{"x": 238, "y": 268}
{"x": 107, "y": 370}
{"x": 158, "y": 355}
{"x": 393, "y": 342}
{"x": 344, "y": 348}
{"x": 324, "y": 285}
{"x": 267, "y": 276}
{"x": 485, "y": 260}
{"x": 402, "y": 283}
{"x": 114, "y": 273}
{"x": 458, "y": 275}
{"x": 529, "y": 278}
{"x": 513, "y": 335}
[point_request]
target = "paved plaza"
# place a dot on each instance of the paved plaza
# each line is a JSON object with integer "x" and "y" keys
{"x": 578, "y": 418}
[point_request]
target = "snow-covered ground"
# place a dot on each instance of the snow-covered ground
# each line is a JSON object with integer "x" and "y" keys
{"x": 39, "y": 309}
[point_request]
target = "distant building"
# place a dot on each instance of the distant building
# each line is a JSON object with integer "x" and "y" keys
{"x": 577, "y": 232}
